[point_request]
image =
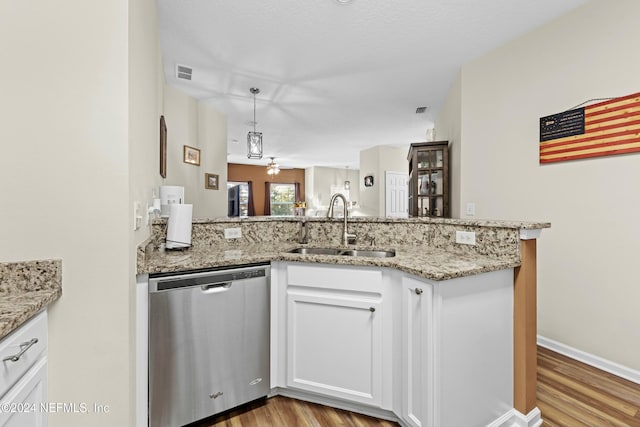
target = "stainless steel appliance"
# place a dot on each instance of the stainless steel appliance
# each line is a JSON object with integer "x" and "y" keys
{"x": 208, "y": 342}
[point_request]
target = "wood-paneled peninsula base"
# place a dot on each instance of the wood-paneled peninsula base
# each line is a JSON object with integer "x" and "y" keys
{"x": 425, "y": 248}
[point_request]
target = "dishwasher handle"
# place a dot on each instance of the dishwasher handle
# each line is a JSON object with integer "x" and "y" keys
{"x": 214, "y": 288}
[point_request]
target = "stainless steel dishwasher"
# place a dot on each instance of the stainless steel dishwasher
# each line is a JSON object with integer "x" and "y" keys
{"x": 208, "y": 342}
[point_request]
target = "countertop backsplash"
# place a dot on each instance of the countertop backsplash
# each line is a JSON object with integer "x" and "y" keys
{"x": 498, "y": 238}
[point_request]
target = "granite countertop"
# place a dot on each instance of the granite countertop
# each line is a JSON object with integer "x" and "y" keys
{"x": 25, "y": 289}
{"x": 422, "y": 261}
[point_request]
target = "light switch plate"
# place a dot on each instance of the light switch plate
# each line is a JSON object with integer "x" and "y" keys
{"x": 466, "y": 237}
{"x": 232, "y": 233}
{"x": 137, "y": 217}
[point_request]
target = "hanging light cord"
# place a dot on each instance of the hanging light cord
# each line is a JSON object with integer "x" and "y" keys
{"x": 254, "y": 112}
{"x": 591, "y": 100}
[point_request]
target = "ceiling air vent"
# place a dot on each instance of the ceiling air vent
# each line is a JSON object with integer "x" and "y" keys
{"x": 421, "y": 110}
{"x": 183, "y": 72}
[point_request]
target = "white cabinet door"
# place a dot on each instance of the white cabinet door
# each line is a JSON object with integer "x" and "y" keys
{"x": 24, "y": 400}
{"x": 334, "y": 344}
{"x": 417, "y": 365}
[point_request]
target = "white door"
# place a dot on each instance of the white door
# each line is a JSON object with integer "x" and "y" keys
{"x": 396, "y": 196}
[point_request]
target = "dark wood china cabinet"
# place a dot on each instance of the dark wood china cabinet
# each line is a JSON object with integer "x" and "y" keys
{"x": 429, "y": 179}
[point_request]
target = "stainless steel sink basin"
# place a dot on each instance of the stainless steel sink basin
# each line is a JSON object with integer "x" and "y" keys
{"x": 345, "y": 252}
{"x": 315, "y": 251}
{"x": 369, "y": 253}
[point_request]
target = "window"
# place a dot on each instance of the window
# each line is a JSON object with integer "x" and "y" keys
{"x": 238, "y": 198}
{"x": 283, "y": 197}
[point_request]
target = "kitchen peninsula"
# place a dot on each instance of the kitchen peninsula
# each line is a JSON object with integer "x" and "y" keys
{"x": 442, "y": 314}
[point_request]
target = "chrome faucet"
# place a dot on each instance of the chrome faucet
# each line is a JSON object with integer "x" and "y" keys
{"x": 303, "y": 236}
{"x": 346, "y": 236}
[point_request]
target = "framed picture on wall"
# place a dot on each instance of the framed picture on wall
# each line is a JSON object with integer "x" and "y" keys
{"x": 211, "y": 181}
{"x": 368, "y": 181}
{"x": 191, "y": 155}
{"x": 163, "y": 147}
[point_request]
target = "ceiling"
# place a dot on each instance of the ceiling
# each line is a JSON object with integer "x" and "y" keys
{"x": 334, "y": 78}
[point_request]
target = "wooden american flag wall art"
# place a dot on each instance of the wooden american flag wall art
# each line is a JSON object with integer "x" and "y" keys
{"x": 602, "y": 129}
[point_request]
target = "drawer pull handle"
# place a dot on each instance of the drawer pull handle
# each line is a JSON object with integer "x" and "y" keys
{"x": 418, "y": 291}
{"x": 372, "y": 309}
{"x": 23, "y": 348}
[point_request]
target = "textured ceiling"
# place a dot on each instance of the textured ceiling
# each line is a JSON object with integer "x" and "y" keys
{"x": 335, "y": 79}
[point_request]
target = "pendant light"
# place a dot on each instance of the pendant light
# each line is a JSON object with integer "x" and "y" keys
{"x": 272, "y": 167}
{"x": 347, "y": 183}
{"x": 254, "y": 139}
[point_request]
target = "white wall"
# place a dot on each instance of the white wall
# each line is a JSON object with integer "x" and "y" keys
{"x": 195, "y": 124}
{"x": 588, "y": 283}
{"x": 65, "y": 183}
{"x": 319, "y": 181}
{"x": 375, "y": 161}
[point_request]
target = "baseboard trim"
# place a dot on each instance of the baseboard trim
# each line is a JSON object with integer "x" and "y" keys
{"x": 591, "y": 360}
{"x": 532, "y": 419}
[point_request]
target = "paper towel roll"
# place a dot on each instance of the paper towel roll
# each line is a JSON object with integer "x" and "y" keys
{"x": 179, "y": 226}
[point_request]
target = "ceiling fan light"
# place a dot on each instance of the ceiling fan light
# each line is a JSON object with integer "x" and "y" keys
{"x": 272, "y": 167}
{"x": 254, "y": 145}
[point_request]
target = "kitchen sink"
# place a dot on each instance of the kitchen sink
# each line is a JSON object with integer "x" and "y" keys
{"x": 316, "y": 251}
{"x": 369, "y": 253}
{"x": 345, "y": 252}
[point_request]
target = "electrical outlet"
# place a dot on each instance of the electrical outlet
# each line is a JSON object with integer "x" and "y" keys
{"x": 232, "y": 233}
{"x": 466, "y": 237}
{"x": 471, "y": 209}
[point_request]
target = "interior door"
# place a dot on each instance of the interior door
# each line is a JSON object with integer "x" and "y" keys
{"x": 396, "y": 194}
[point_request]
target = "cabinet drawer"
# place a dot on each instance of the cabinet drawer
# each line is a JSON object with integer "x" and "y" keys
{"x": 348, "y": 278}
{"x": 11, "y": 371}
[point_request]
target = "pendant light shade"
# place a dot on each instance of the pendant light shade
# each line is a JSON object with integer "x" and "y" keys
{"x": 254, "y": 139}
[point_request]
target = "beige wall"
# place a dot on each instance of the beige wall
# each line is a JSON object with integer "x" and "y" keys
{"x": 375, "y": 161}
{"x": 448, "y": 127}
{"x": 193, "y": 123}
{"x": 146, "y": 84}
{"x": 320, "y": 180}
{"x": 65, "y": 183}
{"x": 588, "y": 284}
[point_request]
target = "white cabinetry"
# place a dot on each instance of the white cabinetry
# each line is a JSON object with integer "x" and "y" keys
{"x": 417, "y": 364}
{"x": 427, "y": 353}
{"x": 457, "y": 350}
{"x": 23, "y": 377}
{"x": 333, "y": 333}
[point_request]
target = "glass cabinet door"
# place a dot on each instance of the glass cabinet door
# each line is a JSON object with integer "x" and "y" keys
{"x": 429, "y": 181}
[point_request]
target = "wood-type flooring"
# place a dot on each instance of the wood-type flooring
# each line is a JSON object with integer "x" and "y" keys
{"x": 570, "y": 394}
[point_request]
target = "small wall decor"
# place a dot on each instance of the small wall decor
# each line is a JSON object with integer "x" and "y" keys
{"x": 211, "y": 181}
{"x": 163, "y": 147}
{"x": 191, "y": 155}
{"x": 602, "y": 129}
{"x": 368, "y": 181}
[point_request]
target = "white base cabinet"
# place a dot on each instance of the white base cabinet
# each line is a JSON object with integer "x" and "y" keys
{"x": 332, "y": 331}
{"x": 417, "y": 361}
{"x": 457, "y": 350}
{"x": 23, "y": 389}
{"x": 434, "y": 353}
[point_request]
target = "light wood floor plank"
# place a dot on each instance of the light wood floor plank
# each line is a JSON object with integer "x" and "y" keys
{"x": 589, "y": 396}
{"x": 569, "y": 394}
